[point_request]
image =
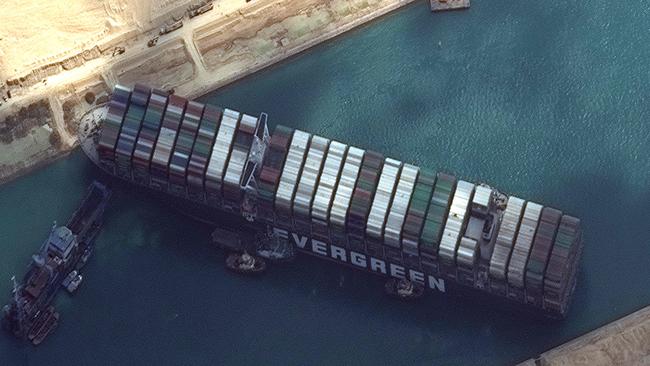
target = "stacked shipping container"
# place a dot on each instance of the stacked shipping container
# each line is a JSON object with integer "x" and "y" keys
{"x": 183, "y": 147}
{"x": 112, "y": 125}
{"x": 352, "y": 198}
{"x": 271, "y": 171}
{"x": 131, "y": 129}
{"x": 202, "y": 150}
{"x": 238, "y": 158}
{"x": 343, "y": 195}
{"x": 308, "y": 180}
{"x": 171, "y": 144}
{"x": 148, "y": 136}
{"x": 414, "y": 221}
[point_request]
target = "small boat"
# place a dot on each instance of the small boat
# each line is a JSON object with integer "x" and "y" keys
{"x": 245, "y": 263}
{"x": 74, "y": 284}
{"x": 71, "y": 276}
{"x": 403, "y": 289}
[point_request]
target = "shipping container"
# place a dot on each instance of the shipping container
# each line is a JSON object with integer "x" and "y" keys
{"x": 110, "y": 129}
{"x": 166, "y": 140}
{"x": 397, "y": 212}
{"x": 289, "y": 178}
{"x": 521, "y": 250}
{"x": 399, "y": 205}
{"x": 202, "y": 150}
{"x": 454, "y": 227}
{"x": 308, "y": 181}
{"x": 343, "y": 195}
{"x": 481, "y": 202}
{"x": 560, "y": 273}
{"x": 219, "y": 157}
{"x": 435, "y": 221}
{"x": 467, "y": 253}
{"x": 131, "y": 129}
{"x": 362, "y": 197}
{"x": 380, "y": 206}
{"x": 539, "y": 253}
{"x": 271, "y": 171}
{"x": 505, "y": 240}
{"x": 183, "y": 148}
{"x": 148, "y": 135}
{"x": 238, "y": 158}
{"x": 414, "y": 221}
{"x": 320, "y": 208}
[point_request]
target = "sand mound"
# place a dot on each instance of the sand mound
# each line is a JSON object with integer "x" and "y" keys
{"x": 33, "y": 33}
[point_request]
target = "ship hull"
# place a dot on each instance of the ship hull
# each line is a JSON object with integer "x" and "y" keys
{"x": 334, "y": 201}
{"x": 435, "y": 283}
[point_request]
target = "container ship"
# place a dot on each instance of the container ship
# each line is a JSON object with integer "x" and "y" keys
{"x": 30, "y": 314}
{"x": 337, "y": 202}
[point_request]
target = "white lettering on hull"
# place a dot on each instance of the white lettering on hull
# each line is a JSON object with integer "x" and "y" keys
{"x": 361, "y": 260}
{"x": 397, "y": 271}
{"x": 319, "y": 247}
{"x": 358, "y": 259}
{"x": 377, "y": 265}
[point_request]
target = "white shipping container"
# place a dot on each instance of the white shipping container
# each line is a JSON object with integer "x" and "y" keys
{"x": 379, "y": 208}
{"x": 343, "y": 194}
{"x": 482, "y": 196}
{"x": 401, "y": 200}
{"x": 310, "y": 173}
{"x": 455, "y": 221}
{"x": 467, "y": 253}
{"x": 221, "y": 149}
{"x": 291, "y": 170}
{"x": 505, "y": 238}
{"x": 521, "y": 250}
{"x": 323, "y": 198}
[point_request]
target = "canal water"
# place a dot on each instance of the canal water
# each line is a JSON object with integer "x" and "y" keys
{"x": 547, "y": 101}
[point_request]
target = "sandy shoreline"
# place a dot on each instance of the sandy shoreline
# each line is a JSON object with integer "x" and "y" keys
{"x": 233, "y": 40}
{"x": 625, "y": 341}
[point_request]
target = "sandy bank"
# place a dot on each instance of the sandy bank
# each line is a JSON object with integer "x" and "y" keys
{"x": 623, "y": 342}
{"x": 233, "y": 40}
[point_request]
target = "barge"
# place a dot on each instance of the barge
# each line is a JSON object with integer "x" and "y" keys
{"x": 30, "y": 314}
{"x": 338, "y": 202}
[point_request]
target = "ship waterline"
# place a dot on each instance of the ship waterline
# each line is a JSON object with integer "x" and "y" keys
{"x": 341, "y": 202}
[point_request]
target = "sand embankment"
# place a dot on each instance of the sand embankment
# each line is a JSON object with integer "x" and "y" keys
{"x": 63, "y": 54}
{"x": 623, "y": 342}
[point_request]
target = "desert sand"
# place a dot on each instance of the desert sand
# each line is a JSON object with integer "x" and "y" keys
{"x": 623, "y": 342}
{"x": 55, "y": 53}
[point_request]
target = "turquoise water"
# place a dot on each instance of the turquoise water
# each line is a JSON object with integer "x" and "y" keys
{"x": 546, "y": 101}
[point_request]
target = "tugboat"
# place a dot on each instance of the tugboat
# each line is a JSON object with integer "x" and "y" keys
{"x": 403, "y": 289}
{"x": 245, "y": 263}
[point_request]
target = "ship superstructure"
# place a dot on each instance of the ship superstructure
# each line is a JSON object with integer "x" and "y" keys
{"x": 340, "y": 202}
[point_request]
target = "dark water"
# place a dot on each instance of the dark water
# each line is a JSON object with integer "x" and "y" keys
{"x": 548, "y": 101}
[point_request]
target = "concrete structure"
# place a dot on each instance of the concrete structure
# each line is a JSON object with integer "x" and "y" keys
{"x": 442, "y": 5}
